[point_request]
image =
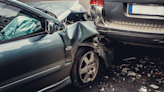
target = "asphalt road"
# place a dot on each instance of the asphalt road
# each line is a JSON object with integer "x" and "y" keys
{"x": 136, "y": 69}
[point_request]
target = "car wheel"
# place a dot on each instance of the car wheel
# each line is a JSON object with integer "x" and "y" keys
{"x": 86, "y": 67}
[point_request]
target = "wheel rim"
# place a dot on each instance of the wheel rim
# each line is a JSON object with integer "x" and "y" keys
{"x": 88, "y": 67}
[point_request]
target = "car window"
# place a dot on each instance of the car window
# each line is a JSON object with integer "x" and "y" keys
{"x": 16, "y": 22}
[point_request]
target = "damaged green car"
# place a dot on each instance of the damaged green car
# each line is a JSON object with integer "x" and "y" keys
{"x": 47, "y": 45}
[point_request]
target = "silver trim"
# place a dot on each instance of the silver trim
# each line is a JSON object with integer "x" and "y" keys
{"x": 32, "y": 77}
{"x": 53, "y": 85}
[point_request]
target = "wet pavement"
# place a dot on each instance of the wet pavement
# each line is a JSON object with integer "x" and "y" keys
{"x": 134, "y": 69}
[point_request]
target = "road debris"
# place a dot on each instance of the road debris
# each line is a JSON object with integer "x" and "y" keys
{"x": 158, "y": 73}
{"x": 133, "y": 79}
{"x": 131, "y": 73}
{"x": 102, "y": 89}
{"x": 125, "y": 70}
{"x": 148, "y": 74}
{"x": 114, "y": 79}
{"x": 113, "y": 89}
{"x": 143, "y": 71}
{"x": 139, "y": 65}
{"x": 151, "y": 62}
{"x": 138, "y": 76}
{"x": 143, "y": 89}
{"x": 131, "y": 58}
{"x": 106, "y": 77}
{"x": 124, "y": 65}
{"x": 155, "y": 87}
{"x": 143, "y": 79}
{"x": 142, "y": 82}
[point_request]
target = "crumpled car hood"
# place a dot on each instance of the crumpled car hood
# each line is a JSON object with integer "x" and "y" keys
{"x": 60, "y": 8}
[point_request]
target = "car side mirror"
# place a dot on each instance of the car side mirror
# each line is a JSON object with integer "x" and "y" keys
{"x": 50, "y": 26}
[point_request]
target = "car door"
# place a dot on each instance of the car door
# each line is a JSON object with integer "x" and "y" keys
{"x": 27, "y": 52}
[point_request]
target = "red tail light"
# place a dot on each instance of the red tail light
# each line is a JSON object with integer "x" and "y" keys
{"x": 97, "y": 2}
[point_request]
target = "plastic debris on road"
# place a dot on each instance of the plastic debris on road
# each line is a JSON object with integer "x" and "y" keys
{"x": 138, "y": 76}
{"x": 154, "y": 86}
{"x": 102, "y": 89}
{"x": 143, "y": 71}
{"x": 131, "y": 73}
{"x": 106, "y": 77}
{"x": 113, "y": 89}
{"x": 131, "y": 58}
{"x": 143, "y": 89}
{"x": 125, "y": 70}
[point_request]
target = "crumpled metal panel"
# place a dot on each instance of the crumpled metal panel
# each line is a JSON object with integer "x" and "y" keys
{"x": 60, "y": 8}
{"x": 78, "y": 32}
{"x": 86, "y": 29}
{"x": 20, "y": 26}
{"x": 75, "y": 34}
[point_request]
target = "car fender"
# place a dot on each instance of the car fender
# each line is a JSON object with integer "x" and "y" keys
{"x": 77, "y": 35}
{"x": 74, "y": 34}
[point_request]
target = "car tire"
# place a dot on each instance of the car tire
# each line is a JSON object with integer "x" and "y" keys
{"x": 86, "y": 67}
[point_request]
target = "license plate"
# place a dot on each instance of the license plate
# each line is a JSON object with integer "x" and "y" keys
{"x": 146, "y": 9}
